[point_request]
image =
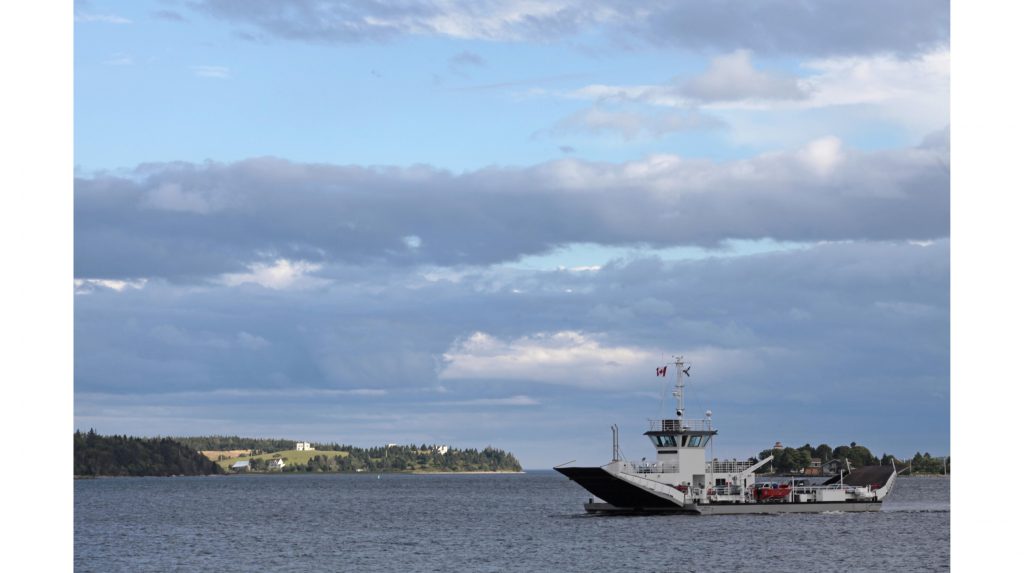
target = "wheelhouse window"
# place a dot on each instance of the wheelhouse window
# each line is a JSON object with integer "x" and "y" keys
{"x": 694, "y": 442}
{"x": 664, "y": 441}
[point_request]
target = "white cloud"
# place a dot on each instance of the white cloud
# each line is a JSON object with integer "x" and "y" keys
{"x": 732, "y": 77}
{"x": 914, "y": 90}
{"x": 88, "y": 286}
{"x": 282, "y": 274}
{"x": 823, "y": 155}
{"x": 568, "y": 358}
{"x": 252, "y": 341}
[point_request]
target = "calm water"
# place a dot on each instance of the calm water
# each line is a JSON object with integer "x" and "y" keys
{"x": 531, "y": 522}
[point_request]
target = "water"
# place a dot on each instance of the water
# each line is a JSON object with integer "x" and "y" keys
{"x": 531, "y": 522}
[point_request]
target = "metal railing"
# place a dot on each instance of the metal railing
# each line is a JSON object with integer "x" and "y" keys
{"x": 680, "y": 425}
{"x": 727, "y": 466}
{"x": 651, "y": 468}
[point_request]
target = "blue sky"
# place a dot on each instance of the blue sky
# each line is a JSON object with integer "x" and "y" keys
{"x": 487, "y": 224}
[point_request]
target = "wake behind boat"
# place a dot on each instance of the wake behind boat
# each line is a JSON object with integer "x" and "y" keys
{"x": 683, "y": 480}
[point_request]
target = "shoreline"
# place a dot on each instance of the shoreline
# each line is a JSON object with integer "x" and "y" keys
{"x": 414, "y": 472}
{"x": 479, "y": 472}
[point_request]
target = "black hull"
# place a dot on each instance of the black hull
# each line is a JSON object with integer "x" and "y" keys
{"x": 617, "y": 492}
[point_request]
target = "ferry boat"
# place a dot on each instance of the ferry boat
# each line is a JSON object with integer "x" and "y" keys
{"x": 684, "y": 480}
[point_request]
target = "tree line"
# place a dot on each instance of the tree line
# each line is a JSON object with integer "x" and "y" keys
{"x": 794, "y": 460}
{"x": 97, "y": 455}
{"x": 402, "y": 458}
{"x": 258, "y": 445}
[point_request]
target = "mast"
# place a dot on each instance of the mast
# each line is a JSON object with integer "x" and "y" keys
{"x": 682, "y": 371}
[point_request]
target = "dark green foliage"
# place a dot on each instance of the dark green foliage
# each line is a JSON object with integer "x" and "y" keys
{"x": 121, "y": 455}
{"x": 405, "y": 459}
{"x": 204, "y": 443}
{"x": 97, "y": 455}
{"x": 794, "y": 460}
{"x": 926, "y": 464}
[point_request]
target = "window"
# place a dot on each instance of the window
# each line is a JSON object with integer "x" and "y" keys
{"x": 694, "y": 442}
{"x": 667, "y": 441}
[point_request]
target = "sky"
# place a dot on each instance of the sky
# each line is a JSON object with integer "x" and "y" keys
{"x": 488, "y": 223}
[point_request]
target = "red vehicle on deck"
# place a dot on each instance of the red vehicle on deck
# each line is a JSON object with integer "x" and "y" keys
{"x": 772, "y": 491}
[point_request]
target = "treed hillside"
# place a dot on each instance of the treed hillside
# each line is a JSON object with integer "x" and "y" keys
{"x": 407, "y": 458}
{"x": 206, "y": 443}
{"x": 97, "y": 455}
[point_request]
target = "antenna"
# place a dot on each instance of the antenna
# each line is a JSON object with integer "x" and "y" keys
{"x": 682, "y": 372}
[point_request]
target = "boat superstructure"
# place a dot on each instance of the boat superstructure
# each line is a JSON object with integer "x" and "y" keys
{"x": 682, "y": 478}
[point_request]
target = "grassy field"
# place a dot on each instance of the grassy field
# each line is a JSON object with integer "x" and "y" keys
{"x": 213, "y": 455}
{"x": 290, "y": 457}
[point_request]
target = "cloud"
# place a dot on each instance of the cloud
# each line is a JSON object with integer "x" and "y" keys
{"x": 252, "y": 341}
{"x": 342, "y": 21}
{"x": 732, "y": 82}
{"x": 782, "y": 26}
{"x": 567, "y": 357}
{"x": 732, "y": 77}
{"x": 630, "y": 125}
{"x": 823, "y": 155}
{"x": 171, "y": 197}
{"x": 519, "y": 400}
{"x": 773, "y": 26}
{"x": 773, "y": 336}
{"x": 282, "y": 274}
{"x": 191, "y": 222}
{"x": 87, "y": 286}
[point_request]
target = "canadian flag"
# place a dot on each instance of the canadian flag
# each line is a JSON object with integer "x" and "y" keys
{"x": 662, "y": 371}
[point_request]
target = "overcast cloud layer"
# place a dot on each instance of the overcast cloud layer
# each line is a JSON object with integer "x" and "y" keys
{"x": 817, "y": 333}
{"x": 487, "y": 223}
{"x": 219, "y": 218}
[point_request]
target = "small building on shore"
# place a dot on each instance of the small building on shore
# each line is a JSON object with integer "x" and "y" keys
{"x": 242, "y": 466}
{"x": 275, "y": 464}
{"x": 814, "y": 469}
{"x": 304, "y": 447}
{"x": 833, "y": 467}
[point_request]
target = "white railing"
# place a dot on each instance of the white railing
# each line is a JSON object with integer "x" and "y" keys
{"x": 703, "y": 424}
{"x": 727, "y": 466}
{"x": 650, "y": 468}
{"x": 725, "y": 490}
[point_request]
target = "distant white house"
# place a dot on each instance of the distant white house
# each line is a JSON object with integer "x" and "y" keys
{"x": 441, "y": 449}
{"x": 275, "y": 464}
{"x": 304, "y": 447}
{"x": 240, "y": 466}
